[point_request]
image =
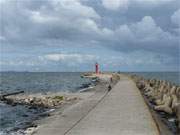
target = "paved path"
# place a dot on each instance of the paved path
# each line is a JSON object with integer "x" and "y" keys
{"x": 120, "y": 112}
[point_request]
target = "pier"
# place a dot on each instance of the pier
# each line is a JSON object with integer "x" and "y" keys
{"x": 122, "y": 111}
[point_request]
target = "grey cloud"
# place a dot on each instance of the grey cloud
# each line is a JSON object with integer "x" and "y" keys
{"x": 62, "y": 23}
{"x": 52, "y": 21}
{"x": 65, "y": 20}
{"x": 124, "y": 4}
{"x": 144, "y": 34}
{"x": 176, "y": 17}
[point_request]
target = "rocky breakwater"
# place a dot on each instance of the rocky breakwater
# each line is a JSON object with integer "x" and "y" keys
{"x": 39, "y": 100}
{"x": 163, "y": 96}
{"x": 115, "y": 77}
{"x": 42, "y": 104}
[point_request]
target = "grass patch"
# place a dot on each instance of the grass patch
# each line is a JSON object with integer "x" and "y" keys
{"x": 59, "y": 97}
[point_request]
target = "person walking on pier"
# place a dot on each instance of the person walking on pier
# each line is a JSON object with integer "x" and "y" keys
{"x": 109, "y": 87}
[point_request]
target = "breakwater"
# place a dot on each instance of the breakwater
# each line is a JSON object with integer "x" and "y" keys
{"x": 32, "y": 107}
{"x": 120, "y": 111}
{"x": 43, "y": 91}
{"x": 164, "y": 97}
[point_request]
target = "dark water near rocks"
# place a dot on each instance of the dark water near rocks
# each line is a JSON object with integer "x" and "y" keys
{"x": 15, "y": 117}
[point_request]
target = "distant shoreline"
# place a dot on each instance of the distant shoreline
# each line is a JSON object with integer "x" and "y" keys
{"x": 85, "y": 71}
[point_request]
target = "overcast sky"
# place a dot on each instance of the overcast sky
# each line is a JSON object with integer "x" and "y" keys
{"x": 71, "y": 35}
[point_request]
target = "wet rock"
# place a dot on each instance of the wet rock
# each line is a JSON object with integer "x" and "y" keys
{"x": 178, "y": 116}
{"x": 26, "y": 100}
{"x": 30, "y": 131}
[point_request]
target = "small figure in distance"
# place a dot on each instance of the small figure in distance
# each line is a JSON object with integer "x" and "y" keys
{"x": 111, "y": 80}
{"x": 109, "y": 87}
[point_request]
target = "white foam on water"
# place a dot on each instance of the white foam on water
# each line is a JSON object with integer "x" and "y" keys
{"x": 85, "y": 89}
{"x": 171, "y": 119}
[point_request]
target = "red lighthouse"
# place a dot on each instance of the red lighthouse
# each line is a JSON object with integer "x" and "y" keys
{"x": 97, "y": 68}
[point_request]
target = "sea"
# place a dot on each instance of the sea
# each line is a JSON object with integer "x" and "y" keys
{"x": 13, "y": 118}
{"x": 173, "y": 77}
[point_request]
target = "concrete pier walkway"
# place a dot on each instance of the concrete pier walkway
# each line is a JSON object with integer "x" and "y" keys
{"x": 122, "y": 111}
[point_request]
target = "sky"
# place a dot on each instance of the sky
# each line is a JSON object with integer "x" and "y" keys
{"x": 71, "y": 35}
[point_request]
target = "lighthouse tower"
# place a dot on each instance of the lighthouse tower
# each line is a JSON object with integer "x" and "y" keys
{"x": 97, "y": 68}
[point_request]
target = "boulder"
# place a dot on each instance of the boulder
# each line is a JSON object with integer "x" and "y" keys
{"x": 166, "y": 106}
{"x": 178, "y": 116}
{"x": 173, "y": 90}
{"x": 174, "y": 102}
